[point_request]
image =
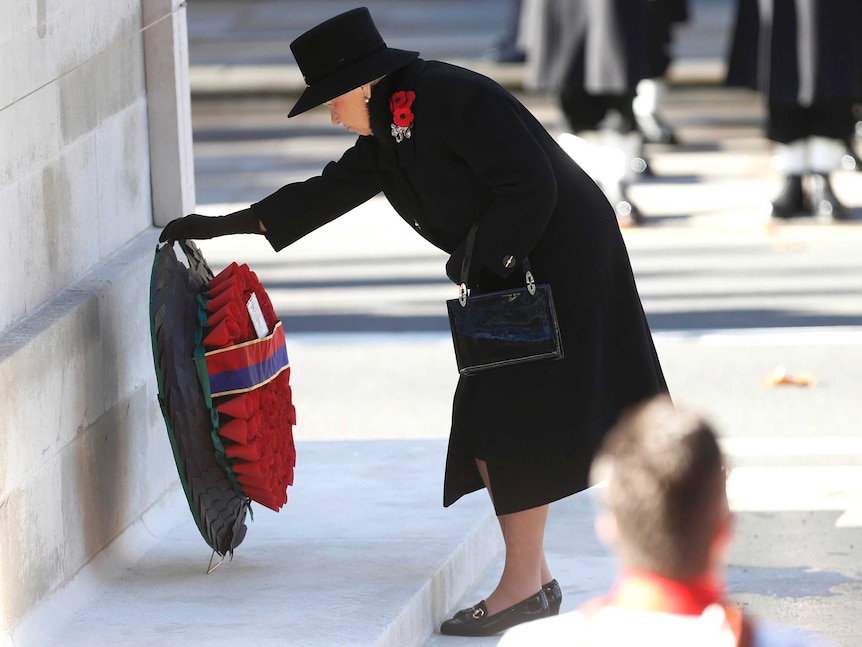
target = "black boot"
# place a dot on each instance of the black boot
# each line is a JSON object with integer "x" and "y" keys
{"x": 790, "y": 201}
{"x": 823, "y": 202}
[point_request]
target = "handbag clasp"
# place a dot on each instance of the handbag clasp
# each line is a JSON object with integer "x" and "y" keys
{"x": 462, "y": 295}
{"x": 531, "y": 283}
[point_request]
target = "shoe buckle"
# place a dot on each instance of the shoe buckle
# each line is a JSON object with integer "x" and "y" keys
{"x": 478, "y": 612}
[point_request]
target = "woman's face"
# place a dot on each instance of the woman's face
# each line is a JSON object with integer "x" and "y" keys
{"x": 351, "y": 110}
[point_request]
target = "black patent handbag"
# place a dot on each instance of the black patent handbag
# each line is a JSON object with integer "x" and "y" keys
{"x": 502, "y": 328}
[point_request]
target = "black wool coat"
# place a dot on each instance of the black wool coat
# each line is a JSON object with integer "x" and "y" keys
{"x": 476, "y": 154}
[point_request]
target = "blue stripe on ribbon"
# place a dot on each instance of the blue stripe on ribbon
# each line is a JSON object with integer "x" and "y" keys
{"x": 249, "y": 377}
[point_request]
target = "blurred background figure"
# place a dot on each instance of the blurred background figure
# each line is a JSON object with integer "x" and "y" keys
{"x": 662, "y": 15}
{"x": 664, "y": 509}
{"x": 507, "y": 49}
{"x": 606, "y": 60}
{"x": 805, "y": 58}
{"x": 852, "y": 161}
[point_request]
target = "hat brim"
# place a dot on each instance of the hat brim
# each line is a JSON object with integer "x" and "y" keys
{"x": 379, "y": 64}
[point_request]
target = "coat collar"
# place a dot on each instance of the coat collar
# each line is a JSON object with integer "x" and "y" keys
{"x": 392, "y": 153}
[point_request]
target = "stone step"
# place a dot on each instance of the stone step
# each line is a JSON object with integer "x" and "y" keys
{"x": 362, "y": 554}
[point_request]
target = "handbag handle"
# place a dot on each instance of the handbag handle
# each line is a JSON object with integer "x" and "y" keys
{"x": 465, "y": 268}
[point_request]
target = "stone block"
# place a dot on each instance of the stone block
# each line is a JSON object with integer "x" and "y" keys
{"x": 169, "y": 111}
{"x": 50, "y": 137}
{"x": 124, "y": 358}
{"x": 80, "y": 353}
{"x": 78, "y": 94}
{"x": 31, "y": 544}
{"x": 100, "y": 88}
{"x": 125, "y": 205}
{"x": 19, "y": 17}
{"x": 120, "y": 76}
{"x": 44, "y": 379}
{"x": 83, "y": 447}
{"x": 79, "y": 500}
{"x": 111, "y": 473}
{"x": 100, "y": 176}
{"x": 47, "y": 49}
{"x": 12, "y": 292}
{"x": 28, "y": 133}
{"x": 59, "y": 203}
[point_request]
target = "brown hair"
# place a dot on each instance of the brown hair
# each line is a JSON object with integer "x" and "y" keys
{"x": 665, "y": 487}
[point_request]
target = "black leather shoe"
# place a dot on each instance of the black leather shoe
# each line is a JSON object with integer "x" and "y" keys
{"x": 475, "y": 621}
{"x": 554, "y": 594}
{"x": 823, "y": 201}
{"x": 790, "y": 202}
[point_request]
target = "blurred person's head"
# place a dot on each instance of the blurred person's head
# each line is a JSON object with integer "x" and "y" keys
{"x": 664, "y": 495}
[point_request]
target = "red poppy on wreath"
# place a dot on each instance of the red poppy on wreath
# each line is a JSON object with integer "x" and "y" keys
{"x": 402, "y": 117}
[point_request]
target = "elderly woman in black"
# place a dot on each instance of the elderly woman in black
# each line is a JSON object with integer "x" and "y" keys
{"x": 449, "y": 148}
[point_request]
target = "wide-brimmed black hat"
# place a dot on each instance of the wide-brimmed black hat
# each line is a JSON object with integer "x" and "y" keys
{"x": 341, "y": 54}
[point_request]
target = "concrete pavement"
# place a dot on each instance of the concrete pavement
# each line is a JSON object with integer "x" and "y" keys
{"x": 364, "y": 553}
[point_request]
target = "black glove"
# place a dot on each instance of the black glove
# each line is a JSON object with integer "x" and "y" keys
{"x": 197, "y": 227}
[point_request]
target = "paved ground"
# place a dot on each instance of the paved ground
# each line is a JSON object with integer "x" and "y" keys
{"x": 731, "y": 297}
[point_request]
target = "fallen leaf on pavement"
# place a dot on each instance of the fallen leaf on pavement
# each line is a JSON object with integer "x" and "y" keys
{"x": 779, "y": 376}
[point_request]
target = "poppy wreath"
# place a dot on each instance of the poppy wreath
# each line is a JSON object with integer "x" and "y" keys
{"x": 402, "y": 116}
{"x": 243, "y": 366}
{"x": 219, "y": 511}
{"x": 229, "y": 412}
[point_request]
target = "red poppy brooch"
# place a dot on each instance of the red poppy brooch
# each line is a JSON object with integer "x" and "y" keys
{"x": 402, "y": 116}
